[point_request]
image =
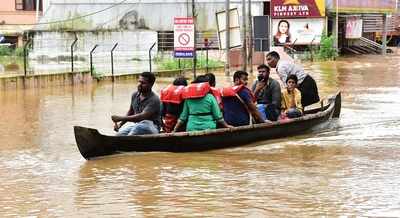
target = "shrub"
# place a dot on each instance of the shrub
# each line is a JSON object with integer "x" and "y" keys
{"x": 5, "y": 51}
{"x": 19, "y": 52}
{"x": 326, "y": 49}
{"x": 173, "y": 63}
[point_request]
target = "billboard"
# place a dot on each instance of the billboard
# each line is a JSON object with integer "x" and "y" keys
{"x": 297, "y": 31}
{"x": 297, "y": 8}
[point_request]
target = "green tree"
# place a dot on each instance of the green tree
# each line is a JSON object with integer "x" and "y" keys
{"x": 326, "y": 49}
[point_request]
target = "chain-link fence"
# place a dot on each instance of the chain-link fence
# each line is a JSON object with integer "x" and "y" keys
{"x": 112, "y": 53}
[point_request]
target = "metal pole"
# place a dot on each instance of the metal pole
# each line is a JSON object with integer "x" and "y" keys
{"x": 194, "y": 16}
{"x": 179, "y": 66}
{"x": 250, "y": 57}
{"x": 244, "y": 47}
{"x": 384, "y": 34}
{"x": 26, "y": 55}
{"x": 91, "y": 59}
{"x": 209, "y": 43}
{"x": 207, "y": 58}
{"x": 112, "y": 62}
{"x": 72, "y": 53}
{"x": 37, "y": 10}
{"x": 227, "y": 37}
{"x": 337, "y": 26}
{"x": 150, "y": 56}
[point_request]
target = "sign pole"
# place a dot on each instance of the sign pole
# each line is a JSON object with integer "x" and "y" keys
{"x": 227, "y": 37}
{"x": 244, "y": 46}
{"x": 194, "y": 38}
{"x": 337, "y": 26}
{"x": 250, "y": 29}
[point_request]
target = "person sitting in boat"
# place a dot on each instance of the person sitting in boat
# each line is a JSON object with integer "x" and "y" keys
{"x": 200, "y": 109}
{"x": 291, "y": 99}
{"x": 143, "y": 116}
{"x": 238, "y": 101}
{"x": 268, "y": 94}
{"x": 211, "y": 79}
{"x": 216, "y": 92}
{"x": 306, "y": 84}
{"x": 172, "y": 103}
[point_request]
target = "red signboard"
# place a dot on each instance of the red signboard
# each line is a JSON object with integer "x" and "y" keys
{"x": 297, "y": 8}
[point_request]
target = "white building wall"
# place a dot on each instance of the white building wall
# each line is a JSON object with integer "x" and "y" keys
{"x": 146, "y": 14}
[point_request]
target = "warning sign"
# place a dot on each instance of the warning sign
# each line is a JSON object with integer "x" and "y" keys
{"x": 183, "y": 37}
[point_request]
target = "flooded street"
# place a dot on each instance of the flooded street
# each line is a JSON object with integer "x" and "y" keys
{"x": 351, "y": 169}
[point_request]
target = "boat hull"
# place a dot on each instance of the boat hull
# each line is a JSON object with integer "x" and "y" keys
{"x": 93, "y": 144}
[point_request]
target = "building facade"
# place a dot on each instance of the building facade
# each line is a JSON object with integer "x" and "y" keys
{"x": 17, "y": 16}
{"x": 358, "y": 24}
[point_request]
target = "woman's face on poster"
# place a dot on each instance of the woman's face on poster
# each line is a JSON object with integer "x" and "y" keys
{"x": 283, "y": 27}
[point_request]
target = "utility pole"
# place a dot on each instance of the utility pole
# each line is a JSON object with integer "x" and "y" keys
{"x": 250, "y": 57}
{"x": 244, "y": 47}
{"x": 227, "y": 37}
{"x": 336, "y": 44}
{"x": 194, "y": 16}
{"x": 37, "y": 10}
{"x": 384, "y": 34}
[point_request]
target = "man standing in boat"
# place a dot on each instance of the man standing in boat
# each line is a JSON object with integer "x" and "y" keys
{"x": 306, "y": 84}
{"x": 143, "y": 116}
{"x": 238, "y": 100}
{"x": 268, "y": 94}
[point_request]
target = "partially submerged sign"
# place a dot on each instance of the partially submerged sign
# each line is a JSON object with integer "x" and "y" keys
{"x": 234, "y": 29}
{"x": 183, "y": 37}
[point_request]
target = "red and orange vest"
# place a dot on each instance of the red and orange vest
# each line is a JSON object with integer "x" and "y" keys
{"x": 172, "y": 94}
{"x": 234, "y": 90}
{"x": 199, "y": 90}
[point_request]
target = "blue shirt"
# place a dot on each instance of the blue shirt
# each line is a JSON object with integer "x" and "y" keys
{"x": 235, "y": 113}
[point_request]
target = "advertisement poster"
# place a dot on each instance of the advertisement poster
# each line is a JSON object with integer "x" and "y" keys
{"x": 297, "y": 8}
{"x": 297, "y": 31}
{"x": 354, "y": 27}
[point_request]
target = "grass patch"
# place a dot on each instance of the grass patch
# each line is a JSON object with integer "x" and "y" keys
{"x": 185, "y": 63}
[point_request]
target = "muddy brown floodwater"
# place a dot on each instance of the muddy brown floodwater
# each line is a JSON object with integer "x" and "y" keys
{"x": 351, "y": 169}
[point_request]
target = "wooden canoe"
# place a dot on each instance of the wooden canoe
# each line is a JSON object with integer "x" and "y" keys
{"x": 93, "y": 144}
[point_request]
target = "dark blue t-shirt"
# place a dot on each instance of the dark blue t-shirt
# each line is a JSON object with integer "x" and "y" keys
{"x": 235, "y": 113}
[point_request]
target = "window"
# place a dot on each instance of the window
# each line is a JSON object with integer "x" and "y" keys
{"x": 27, "y": 5}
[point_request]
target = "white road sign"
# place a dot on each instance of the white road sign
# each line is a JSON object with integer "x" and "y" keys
{"x": 183, "y": 37}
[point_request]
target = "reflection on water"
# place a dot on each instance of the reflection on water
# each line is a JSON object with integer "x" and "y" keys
{"x": 350, "y": 169}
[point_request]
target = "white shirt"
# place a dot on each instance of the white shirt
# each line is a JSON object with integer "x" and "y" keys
{"x": 285, "y": 68}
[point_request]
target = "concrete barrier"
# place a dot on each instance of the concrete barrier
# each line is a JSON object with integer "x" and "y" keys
{"x": 43, "y": 80}
{"x": 64, "y": 79}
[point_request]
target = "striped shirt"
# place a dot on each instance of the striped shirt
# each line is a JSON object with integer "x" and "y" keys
{"x": 285, "y": 68}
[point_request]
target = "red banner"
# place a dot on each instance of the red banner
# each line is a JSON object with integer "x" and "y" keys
{"x": 297, "y": 8}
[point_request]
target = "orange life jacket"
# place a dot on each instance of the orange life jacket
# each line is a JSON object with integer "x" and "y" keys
{"x": 172, "y": 94}
{"x": 233, "y": 90}
{"x": 196, "y": 90}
